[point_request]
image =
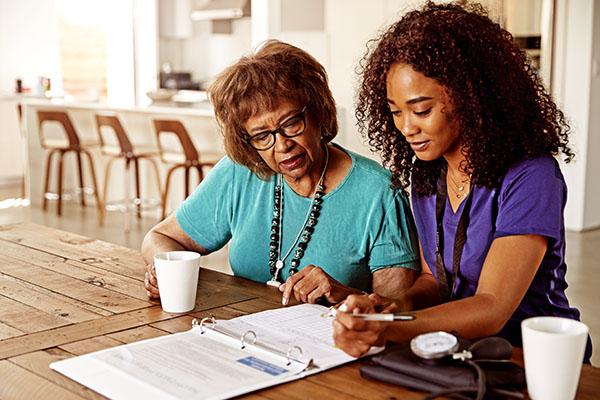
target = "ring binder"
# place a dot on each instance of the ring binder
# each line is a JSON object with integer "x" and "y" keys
{"x": 243, "y": 338}
{"x": 211, "y": 323}
{"x": 289, "y": 352}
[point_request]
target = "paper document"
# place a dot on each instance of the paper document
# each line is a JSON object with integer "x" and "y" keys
{"x": 300, "y": 325}
{"x": 200, "y": 363}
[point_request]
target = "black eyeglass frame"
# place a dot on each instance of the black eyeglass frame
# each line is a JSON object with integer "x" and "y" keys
{"x": 280, "y": 129}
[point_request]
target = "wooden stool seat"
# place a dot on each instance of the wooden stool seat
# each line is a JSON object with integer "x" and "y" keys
{"x": 140, "y": 150}
{"x": 208, "y": 157}
{"x": 187, "y": 159}
{"x": 129, "y": 153}
{"x": 61, "y": 144}
{"x": 71, "y": 143}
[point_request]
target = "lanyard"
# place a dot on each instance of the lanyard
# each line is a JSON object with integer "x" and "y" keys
{"x": 446, "y": 288}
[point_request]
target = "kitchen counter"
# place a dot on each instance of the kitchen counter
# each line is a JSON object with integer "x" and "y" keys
{"x": 201, "y": 109}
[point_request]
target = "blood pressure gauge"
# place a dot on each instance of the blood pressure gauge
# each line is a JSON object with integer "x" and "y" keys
{"x": 434, "y": 345}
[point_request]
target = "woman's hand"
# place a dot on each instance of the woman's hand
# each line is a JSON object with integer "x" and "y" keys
{"x": 150, "y": 282}
{"x": 312, "y": 283}
{"x": 354, "y": 335}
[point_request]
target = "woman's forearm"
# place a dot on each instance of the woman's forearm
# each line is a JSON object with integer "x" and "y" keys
{"x": 156, "y": 242}
{"x": 422, "y": 294}
{"x": 167, "y": 236}
{"x": 472, "y": 317}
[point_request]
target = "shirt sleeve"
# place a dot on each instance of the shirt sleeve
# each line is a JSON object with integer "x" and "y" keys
{"x": 396, "y": 241}
{"x": 532, "y": 199}
{"x": 206, "y": 215}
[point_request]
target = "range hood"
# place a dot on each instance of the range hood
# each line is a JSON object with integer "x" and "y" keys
{"x": 221, "y": 9}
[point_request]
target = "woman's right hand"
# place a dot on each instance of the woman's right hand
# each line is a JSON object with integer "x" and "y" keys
{"x": 356, "y": 336}
{"x": 150, "y": 282}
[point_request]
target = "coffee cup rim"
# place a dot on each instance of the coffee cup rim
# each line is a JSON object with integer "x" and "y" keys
{"x": 576, "y": 327}
{"x": 183, "y": 255}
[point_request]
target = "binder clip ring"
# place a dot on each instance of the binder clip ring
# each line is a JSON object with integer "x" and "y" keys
{"x": 244, "y": 337}
{"x": 290, "y": 352}
{"x": 206, "y": 322}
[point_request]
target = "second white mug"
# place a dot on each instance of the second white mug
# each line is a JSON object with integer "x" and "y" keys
{"x": 553, "y": 350}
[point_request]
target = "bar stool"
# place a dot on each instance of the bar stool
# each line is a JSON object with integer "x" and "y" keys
{"x": 129, "y": 154}
{"x": 61, "y": 147}
{"x": 190, "y": 158}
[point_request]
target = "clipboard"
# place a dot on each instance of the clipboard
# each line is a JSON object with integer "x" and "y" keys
{"x": 215, "y": 359}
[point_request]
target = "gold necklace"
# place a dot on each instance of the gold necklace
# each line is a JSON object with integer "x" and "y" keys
{"x": 459, "y": 190}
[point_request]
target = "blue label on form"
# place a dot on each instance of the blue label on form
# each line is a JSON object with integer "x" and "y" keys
{"x": 263, "y": 366}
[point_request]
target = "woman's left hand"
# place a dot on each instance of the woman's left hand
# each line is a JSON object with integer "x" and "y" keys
{"x": 354, "y": 335}
{"x": 312, "y": 283}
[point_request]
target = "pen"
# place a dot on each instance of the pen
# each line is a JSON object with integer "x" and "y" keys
{"x": 389, "y": 317}
{"x": 384, "y": 317}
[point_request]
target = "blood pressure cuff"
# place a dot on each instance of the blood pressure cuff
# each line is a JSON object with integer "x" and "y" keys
{"x": 400, "y": 366}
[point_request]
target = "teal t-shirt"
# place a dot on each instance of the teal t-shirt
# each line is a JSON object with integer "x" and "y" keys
{"x": 363, "y": 226}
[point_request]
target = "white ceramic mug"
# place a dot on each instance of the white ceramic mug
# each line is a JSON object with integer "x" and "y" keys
{"x": 177, "y": 276}
{"x": 553, "y": 350}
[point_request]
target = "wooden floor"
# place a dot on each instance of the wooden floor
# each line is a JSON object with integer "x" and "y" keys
{"x": 583, "y": 250}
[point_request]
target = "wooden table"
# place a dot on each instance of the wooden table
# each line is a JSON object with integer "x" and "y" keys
{"x": 62, "y": 295}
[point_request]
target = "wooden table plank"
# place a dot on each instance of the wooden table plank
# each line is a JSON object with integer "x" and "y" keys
{"x": 49, "y": 302}
{"x": 8, "y": 331}
{"x": 37, "y": 363}
{"x": 84, "y": 330}
{"x": 19, "y": 383}
{"x": 71, "y": 246}
{"x": 90, "y": 345}
{"x": 179, "y": 324}
{"x": 94, "y": 273}
{"x": 137, "y": 334}
{"x": 26, "y": 318}
{"x": 86, "y": 292}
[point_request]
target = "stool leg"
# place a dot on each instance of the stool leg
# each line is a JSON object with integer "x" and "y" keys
{"x": 99, "y": 202}
{"x": 47, "y": 179}
{"x": 187, "y": 181}
{"x": 60, "y": 182}
{"x": 80, "y": 174}
{"x": 107, "y": 178}
{"x": 138, "y": 197}
{"x": 127, "y": 193}
{"x": 166, "y": 192}
{"x": 155, "y": 167}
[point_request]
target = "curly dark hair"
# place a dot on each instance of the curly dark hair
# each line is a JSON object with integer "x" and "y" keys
{"x": 257, "y": 83}
{"x": 503, "y": 111}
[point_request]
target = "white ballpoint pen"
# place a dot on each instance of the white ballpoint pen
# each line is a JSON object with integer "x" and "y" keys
{"x": 389, "y": 317}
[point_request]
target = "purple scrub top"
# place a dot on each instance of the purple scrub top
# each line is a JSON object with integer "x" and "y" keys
{"x": 530, "y": 200}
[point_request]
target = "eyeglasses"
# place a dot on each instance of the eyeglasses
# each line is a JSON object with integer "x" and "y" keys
{"x": 291, "y": 127}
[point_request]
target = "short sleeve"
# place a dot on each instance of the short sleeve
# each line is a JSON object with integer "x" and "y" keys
{"x": 532, "y": 199}
{"x": 205, "y": 216}
{"x": 396, "y": 241}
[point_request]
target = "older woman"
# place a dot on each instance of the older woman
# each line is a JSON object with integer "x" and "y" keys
{"x": 296, "y": 208}
{"x": 459, "y": 113}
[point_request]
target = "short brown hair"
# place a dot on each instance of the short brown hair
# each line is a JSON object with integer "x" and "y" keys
{"x": 257, "y": 83}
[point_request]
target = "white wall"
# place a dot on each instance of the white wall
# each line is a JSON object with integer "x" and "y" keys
{"x": 578, "y": 94}
{"x": 592, "y": 195}
{"x": 28, "y": 49}
{"x": 29, "y": 44}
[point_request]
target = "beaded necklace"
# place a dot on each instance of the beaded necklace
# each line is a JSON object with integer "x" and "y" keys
{"x": 306, "y": 231}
